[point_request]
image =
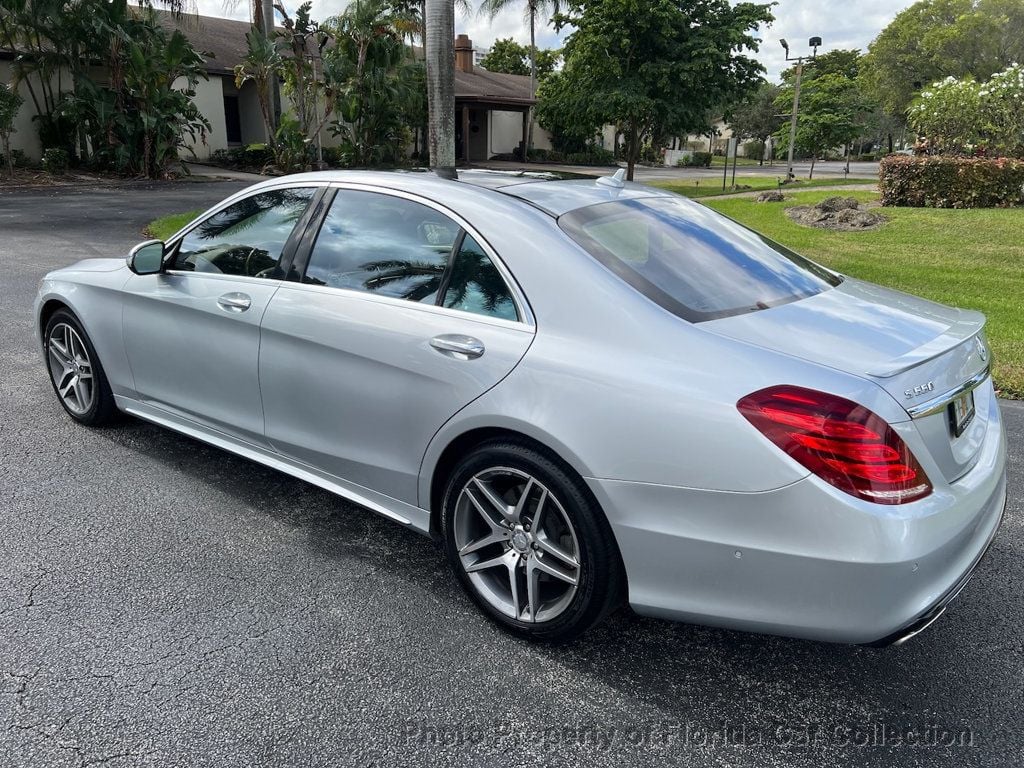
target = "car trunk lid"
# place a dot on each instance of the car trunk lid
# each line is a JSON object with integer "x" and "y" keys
{"x": 920, "y": 352}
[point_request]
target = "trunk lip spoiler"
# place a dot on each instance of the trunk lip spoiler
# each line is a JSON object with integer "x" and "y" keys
{"x": 939, "y": 403}
{"x": 957, "y": 334}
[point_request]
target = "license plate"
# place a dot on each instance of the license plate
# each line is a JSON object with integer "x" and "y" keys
{"x": 961, "y": 413}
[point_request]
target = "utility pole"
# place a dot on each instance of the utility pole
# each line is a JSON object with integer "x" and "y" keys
{"x": 814, "y": 43}
{"x": 792, "y": 119}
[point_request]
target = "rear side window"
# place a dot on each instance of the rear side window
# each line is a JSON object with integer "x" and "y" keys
{"x": 382, "y": 244}
{"x": 692, "y": 261}
{"x": 388, "y": 245}
{"x": 476, "y": 285}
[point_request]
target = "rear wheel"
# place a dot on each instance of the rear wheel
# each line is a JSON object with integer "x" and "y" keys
{"x": 76, "y": 374}
{"x": 529, "y": 544}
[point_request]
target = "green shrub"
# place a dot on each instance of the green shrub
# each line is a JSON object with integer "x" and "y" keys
{"x": 951, "y": 182}
{"x": 753, "y": 149}
{"x": 18, "y": 159}
{"x": 699, "y": 160}
{"x": 55, "y": 160}
{"x": 592, "y": 156}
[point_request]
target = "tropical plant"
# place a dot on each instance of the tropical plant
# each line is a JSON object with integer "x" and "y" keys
{"x": 10, "y": 103}
{"x": 261, "y": 66}
{"x": 378, "y": 89}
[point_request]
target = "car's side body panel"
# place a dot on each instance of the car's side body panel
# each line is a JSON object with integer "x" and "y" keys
{"x": 351, "y": 383}
{"x": 190, "y": 355}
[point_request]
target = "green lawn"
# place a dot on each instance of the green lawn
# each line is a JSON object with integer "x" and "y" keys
{"x": 166, "y": 226}
{"x": 971, "y": 259}
{"x": 711, "y": 187}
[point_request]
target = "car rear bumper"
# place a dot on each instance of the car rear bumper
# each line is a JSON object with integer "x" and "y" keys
{"x": 806, "y": 560}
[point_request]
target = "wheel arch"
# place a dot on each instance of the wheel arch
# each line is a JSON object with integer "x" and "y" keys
{"x": 438, "y": 471}
{"x": 47, "y": 310}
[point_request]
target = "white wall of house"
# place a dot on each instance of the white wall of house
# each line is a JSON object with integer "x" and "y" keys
{"x": 209, "y": 100}
{"x": 26, "y": 131}
{"x": 505, "y": 131}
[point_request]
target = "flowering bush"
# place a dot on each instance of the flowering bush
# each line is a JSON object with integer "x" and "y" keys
{"x": 1003, "y": 105}
{"x": 964, "y": 117}
{"x": 951, "y": 182}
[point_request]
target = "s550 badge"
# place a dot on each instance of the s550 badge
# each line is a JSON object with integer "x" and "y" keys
{"x": 920, "y": 389}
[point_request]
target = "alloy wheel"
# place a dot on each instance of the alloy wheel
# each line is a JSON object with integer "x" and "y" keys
{"x": 517, "y": 545}
{"x": 71, "y": 368}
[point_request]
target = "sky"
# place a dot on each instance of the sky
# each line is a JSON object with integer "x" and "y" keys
{"x": 840, "y": 24}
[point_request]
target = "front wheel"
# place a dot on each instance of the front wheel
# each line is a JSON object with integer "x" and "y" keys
{"x": 76, "y": 374}
{"x": 528, "y": 543}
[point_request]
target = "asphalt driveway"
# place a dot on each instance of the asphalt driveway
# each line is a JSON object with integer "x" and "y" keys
{"x": 165, "y": 603}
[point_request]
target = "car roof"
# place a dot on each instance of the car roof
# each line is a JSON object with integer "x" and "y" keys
{"x": 554, "y": 193}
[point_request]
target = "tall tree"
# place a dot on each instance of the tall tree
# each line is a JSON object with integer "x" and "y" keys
{"x": 935, "y": 39}
{"x": 535, "y": 11}
{"x": 439, "y": 29}
{"x": 757, "y": 117}
{"x": 508, "y": 56}
{"x": 832, "y": 114}
{"x": 655, "y": 67}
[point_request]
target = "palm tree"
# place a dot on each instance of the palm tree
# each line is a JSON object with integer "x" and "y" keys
{"x": 534, "y": 9}
{"x": 439, "y": 28}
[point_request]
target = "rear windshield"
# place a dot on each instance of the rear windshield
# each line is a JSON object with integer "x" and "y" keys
{"x": 692, "y": 261}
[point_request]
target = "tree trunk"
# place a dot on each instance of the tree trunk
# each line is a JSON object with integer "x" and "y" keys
{"x": 440, "y": 51}
{"x": 533, "y": 78}
{"x": 632, "y": 145}
{"x": 814, "y": 156}
{"x": 890, "y": 143}
{"x": 7, "y": 155}
{"x": 266, "y": 18}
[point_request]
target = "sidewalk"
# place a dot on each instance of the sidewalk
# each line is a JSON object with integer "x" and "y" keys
{"x": 215, "y": 172}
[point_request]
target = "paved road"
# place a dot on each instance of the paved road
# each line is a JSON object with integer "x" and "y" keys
{"x": 163, "y": 603}
{"x": 643, "y": 173}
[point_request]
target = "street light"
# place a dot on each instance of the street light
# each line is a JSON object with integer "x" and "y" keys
{"x": 814, "y": 43}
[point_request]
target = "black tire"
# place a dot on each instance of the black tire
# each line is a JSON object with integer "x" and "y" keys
{"x": 102, "y": 410}
{"x": 601, "y": 579}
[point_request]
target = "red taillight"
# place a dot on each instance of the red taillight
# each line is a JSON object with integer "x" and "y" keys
{"x": 843, "y": 443}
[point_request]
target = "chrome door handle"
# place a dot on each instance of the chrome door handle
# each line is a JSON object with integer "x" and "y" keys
{"x": 234, "y": 302}
{"x": 458, "y": 346}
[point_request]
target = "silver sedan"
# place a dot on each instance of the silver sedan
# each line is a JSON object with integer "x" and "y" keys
{"x": 591, "y": 392}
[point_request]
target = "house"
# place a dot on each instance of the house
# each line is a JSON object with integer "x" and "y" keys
{"x": 490, "y": 107}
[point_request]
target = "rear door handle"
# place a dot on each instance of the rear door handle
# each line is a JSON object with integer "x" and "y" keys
{"x": 458, "y": 346}
{"x": 234, "y": 302}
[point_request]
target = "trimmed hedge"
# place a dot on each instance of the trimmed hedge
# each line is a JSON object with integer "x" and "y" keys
{"x": 951, "y": 182}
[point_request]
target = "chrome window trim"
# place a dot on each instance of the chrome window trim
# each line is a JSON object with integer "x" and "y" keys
{"x": 376, "y": 298}
{"x": 939, "y": 404}
{"x": 175, "y": 240}
{"x": 526, "y": 316}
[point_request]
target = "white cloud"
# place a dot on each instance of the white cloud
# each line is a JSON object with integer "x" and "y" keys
{"x": 840, "y": 24}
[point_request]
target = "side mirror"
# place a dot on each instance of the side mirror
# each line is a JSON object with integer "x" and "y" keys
{"x": 147, "y": 258}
